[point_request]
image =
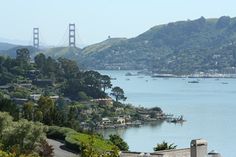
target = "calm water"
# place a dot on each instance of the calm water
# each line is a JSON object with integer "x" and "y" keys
{"x": 209, "y": 108}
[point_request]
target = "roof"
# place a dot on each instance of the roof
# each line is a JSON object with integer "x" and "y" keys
{"x": 165, "y": 153}
{"x": 199, "y": 142}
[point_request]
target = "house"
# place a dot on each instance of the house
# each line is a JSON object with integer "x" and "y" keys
{"x": 106, "y": 121}
{"x": 105, "y": 101}
{"x": 25, "y": 85}
{"x": 43, "y": 82}
{"x": 198, "y": 148}
{"x": 54, "y": 97}
{"x": 19, "y": 101}
{"x": 121, "y": 120}
{"x": 35, "y": 97}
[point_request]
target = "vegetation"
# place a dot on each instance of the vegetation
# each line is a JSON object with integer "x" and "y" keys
{"x": 118, "y": 93}
{"x": 119, "y": 142}
{"x": 89, "y": 150}
{"x": 57, "y": 98}
{"x": 164, "y": 146}
{"x": 20, "y": 137}
{"x": 78, "y": 139}
{"x": 185, "y": 47}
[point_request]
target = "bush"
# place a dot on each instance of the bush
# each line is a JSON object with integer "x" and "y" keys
{"x": 83, "y": 96}
{"x": 119, "y": 142}
{"x": 58, "y": 133}
{"x": 76, "y": 140}
{"x": 164, "y": 146}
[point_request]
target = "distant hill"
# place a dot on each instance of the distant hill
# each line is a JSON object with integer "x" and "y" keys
{"x": 184, "y": 47}
{"x": 180, "y": 47}
{"x": 12, "y": 51}
{"x": 65, "y": 52}
{"x": 99, "y": 47}
{"x": 6, "y": 46}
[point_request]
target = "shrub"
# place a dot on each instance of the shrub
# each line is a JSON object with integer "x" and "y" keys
{"x": 58, "y": 133}
{"x": 164, "y": 146}
{"x": 76, "y": 140}
{"x": 119, "y": 142}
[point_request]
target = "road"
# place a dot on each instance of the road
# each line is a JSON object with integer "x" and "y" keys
{"x": 60, "y": 150}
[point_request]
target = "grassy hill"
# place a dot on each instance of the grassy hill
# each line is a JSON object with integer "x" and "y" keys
{"x": 65, "y": 52}
{"x": 99, "y": 47}
{"x": 6, "y": 46}
{"x": 180, "y": 47}
{"x": 12, "y": 51}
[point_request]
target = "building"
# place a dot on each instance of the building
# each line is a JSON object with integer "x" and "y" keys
{"x": 198, "y": 148}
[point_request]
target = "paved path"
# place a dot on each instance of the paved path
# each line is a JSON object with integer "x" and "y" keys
{"x": 60, "y": 150}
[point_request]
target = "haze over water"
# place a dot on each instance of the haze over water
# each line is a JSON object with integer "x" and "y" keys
{"x": 209, "y": 108}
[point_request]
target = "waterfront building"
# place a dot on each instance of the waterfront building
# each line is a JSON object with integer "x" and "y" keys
{"x": 198, "y": 148}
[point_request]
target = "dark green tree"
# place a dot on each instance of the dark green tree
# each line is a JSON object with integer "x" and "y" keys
{"x": 164, "y": 146}
{"x": 105, "y": 82}
{"x": 119, "y": 142}
{"x": 118, "y": 93}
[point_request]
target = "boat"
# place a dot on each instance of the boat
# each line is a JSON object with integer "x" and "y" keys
{"x": 177, "y": 120}
{"x": 128, "y": 74}
{"x": 225, "y": 83}
{"x": 113, "y": 78}
{"x": 193, "y": 81}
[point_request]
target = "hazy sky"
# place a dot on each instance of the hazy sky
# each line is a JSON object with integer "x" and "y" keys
{"x": 97, "y": 19}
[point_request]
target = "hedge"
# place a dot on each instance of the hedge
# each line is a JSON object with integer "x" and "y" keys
{"x": 58, "y": 133}
{"x": 73, "y": 140}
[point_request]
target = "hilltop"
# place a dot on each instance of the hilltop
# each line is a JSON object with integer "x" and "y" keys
{"x": 6, "y": 46}
{"x": 179, "y": 47}
{"x": 64, "y": 52}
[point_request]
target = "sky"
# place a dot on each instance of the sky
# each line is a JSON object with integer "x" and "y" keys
{"x": 97, "y": 19}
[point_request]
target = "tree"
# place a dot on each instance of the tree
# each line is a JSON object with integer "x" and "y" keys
{"x": 23, "y": 57}
{"x": 105, "y": 82}
{"x": 164, "y": 146}
{"x": 45, "y": 150}
{"x": 40, "y": 60}
{"x": 46, "y": 106}
{"x": 70, "y": 68}
{"x": 118, "y": 93}
{"x": 5, "y": 121}
{"x": 20, "y": 137}
{"x": 28, "y": 110}
{"x": 7, "y": 105}
{"x": 119, "y": 142}
{"x": 89, "y": 150}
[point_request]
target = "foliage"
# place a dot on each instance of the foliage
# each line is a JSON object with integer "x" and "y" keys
{"x": 58, "y": 133}
{"x": 182, "y": 47}
{"x": 118, "y": 93}
{"x": 45, "y": 150}
{"x": 164, "y": 146}
{"x": 7, "y": 105}
{"x": 77, "y": 140}
{"x": 6, "y": 154}
{"x": 46, "y": 106}
{"x": 20, "y": 137}
{"x": 89, "y": 150}
{"x": 119, "y": 142}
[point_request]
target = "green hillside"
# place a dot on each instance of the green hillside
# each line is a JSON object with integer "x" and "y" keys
{"x": 180, "y": 47}
{"x": 99, "y": 47}
{"x": 12, "y": 51}
{"x": 65, "y": 52}
{"x": 6, "y": 46}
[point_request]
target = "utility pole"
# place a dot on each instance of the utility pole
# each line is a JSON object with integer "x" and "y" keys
{"x": 36, "y": 38}
{"x": 72, "y": 35}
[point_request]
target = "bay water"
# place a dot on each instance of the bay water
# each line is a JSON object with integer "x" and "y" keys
{"x": 208, "y": 106}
